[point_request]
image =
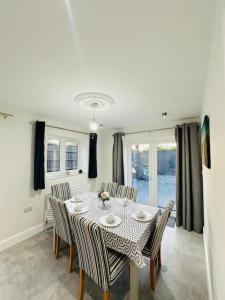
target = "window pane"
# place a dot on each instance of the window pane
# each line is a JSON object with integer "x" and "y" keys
{"x": 53, "y": 156}
{"x": 71, "y": 156}
{"x": 140, "y": 172}
{"x": 166, "y": 173}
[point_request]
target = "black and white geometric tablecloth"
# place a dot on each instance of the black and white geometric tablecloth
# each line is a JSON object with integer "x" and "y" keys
{"x": 130, "y": 236}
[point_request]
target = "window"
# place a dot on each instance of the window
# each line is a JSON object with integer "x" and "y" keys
{"x": 140, "y": 172}
{"x": 71, "y": 156}
{"x": 62, "y": 156}
{"x": 53, "y": 156}
{"x": 166, "y": 173}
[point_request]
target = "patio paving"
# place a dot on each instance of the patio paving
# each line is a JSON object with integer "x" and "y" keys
{"x": 166, "y": 190}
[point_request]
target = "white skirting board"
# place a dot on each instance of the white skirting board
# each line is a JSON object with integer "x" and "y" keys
{"x": 208, "y": 271}
{"x": 21, "y": 236}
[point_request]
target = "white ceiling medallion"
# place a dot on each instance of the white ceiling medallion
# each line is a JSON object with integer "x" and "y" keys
{"x": 100, "y": 101}
{"x": 94, "y": 102}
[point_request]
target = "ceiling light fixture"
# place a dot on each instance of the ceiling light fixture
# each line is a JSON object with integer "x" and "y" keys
{"x": 94, "y": 125}
{"x": 164, "y": 115}
{"x": 94, "y": 102}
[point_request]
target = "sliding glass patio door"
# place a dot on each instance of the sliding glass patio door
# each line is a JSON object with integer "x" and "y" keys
{"x": 152, "y": 171}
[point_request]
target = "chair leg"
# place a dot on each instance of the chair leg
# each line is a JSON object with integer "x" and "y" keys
{"x": 152, "y": 274}
{"x": 71, "y": 256}
{"x": 57, "y": 246}
{"x": 159, "y": 258}
{"x": 106, "y": 296}
{"x": 81, "y": 287}
{"x": 46, "y": 228}
{"x": 55, "y": 239}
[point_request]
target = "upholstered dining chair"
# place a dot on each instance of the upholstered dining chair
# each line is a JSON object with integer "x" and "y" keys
{"x": 152, "y": 248}
{"x": 101, "y": 264}
{"x": 127, "y": 191}
{"x": 62, "y": 228}
{"x": 61, "y": 191}
{"x": 110, "y": 187}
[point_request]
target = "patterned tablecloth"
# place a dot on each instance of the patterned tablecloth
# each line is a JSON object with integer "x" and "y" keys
{"x": 130, "y": 236}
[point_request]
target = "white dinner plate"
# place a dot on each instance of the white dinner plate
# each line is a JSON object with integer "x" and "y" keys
{"x": 103, "y": 221}
{"x": 121, "y": 201}
{"x": 147, "y": 217}
{"x": 75, "y": 200}
{"x": 83, "y": 210}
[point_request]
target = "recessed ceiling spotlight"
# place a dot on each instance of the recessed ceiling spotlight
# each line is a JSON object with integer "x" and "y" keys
{"x": 164, "y": 115}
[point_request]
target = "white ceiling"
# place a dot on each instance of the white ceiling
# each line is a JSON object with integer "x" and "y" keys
{"x": 150, "y": 56}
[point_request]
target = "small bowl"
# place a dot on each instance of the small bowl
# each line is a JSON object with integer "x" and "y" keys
{"x": 77, "y": 208}
{"x": 124, "y": 201}
{"x": 110, "y": 219}
{"x": 140, "y": 214}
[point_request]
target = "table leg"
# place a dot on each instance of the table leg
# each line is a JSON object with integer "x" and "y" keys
{"x": 133, "y": 281}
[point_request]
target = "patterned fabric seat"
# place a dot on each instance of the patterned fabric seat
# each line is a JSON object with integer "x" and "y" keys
{"x": 104, "y": 266}
{"x": 152, "y": 248}
{"x": 60, "y": 191}
{"x": 49, "y": 216}
{"x": 117, "y": 263}
{"x": 127, "y": 191}
{"x": 63, "y": 228}
{"x": 110, "y": 187}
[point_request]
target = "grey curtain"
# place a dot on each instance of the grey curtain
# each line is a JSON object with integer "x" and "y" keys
{"x": 189, "y": 186}
{"x": 118, "y": 170}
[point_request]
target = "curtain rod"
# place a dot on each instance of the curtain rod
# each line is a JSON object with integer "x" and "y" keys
{"x": 62, "y": 128}
{"x": 5, "y": 115}
{"x": 154, "y": 130}
{"x": 149, "y": 131}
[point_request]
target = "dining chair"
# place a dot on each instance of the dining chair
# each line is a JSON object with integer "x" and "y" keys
{"x": 152, "y": 248}
{"x": 110, "y": 187}
{"x": 101, "y": 264}
{"x": 62, "y": 228}
{"x": 127, "y": 191}
{"x": 61, "y": 191}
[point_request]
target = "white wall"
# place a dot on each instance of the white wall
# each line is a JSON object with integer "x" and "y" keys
{"x": 16, "y": 176}
{"x": 214, "y": 179}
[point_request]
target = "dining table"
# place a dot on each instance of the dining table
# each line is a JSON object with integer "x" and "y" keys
{"x": 129, "y": 237}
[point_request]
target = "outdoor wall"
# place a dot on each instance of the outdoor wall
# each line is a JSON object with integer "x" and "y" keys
{"x": 214, "y": 178}
{"x": 16, "y": 177}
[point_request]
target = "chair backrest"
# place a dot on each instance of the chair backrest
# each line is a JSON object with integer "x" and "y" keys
{"x": 62, "y": 222}
{"x": 126, "y": 191}
{"x": 61, "y": 191}
{"x": 155, "y": 243}
{"x": 92, "y": 251}
{"x": 110, "y": 187}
